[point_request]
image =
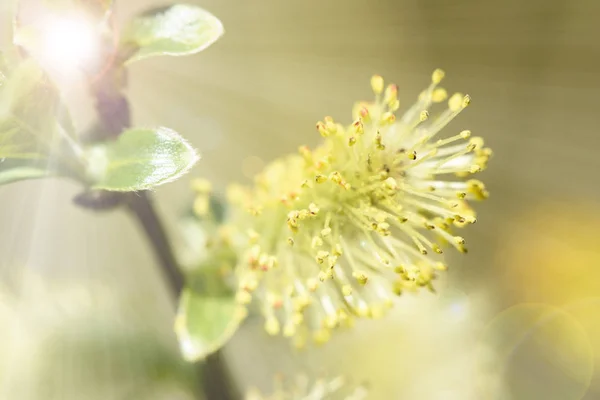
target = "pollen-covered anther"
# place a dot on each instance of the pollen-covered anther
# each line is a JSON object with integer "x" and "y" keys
{"x": 272, "y": 326}
{"x": 459, "y": 240}
{"x": 423, "y": 115}
{"x": 466, "y": 100}
{"x": 388, "y": 118}
{"x": 377, "y": 84}
{"x": 378, "y": 141}
{"x": 313, "y": 209}
{"x": 364, "y": 114}
{"x": 390, "y": 184}
{"x": 360, "y": 277}
{"x": 325, "y": 232}
{"x": 351, "y": 141}
{"x": 320, "y": 178}
{"x": 337, "y": 250}
{"x": 412, "y": 155}
{"x": 321, "y": 256}
{"x": 322, "y": 129}
{"x": 391, "y": 94}
{"x": 316, "y": 242}
{"x": 437, "y": 76}
{"x": 347, "y": 290}
{"x": 465, "y": 134}
{"x": 290, "y": 241}
{"x": 358, "y": 127}
{"x": 439, "y": 95}
{"x": 456, "y": 101}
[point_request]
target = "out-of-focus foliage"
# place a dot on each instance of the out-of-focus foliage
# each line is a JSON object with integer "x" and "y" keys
{"x": 31, "y": 127}
{"x": 61, "y": 340}
{"x": 208, "y": 314}
{"x": 303, "y": 389}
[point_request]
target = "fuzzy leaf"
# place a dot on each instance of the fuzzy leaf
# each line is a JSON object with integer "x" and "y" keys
{"x": 140, "y": 159}
{"x": 205, "y": 323}
{"x": 177, "y": 30}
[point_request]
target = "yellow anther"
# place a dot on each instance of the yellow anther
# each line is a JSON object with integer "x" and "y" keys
{"x": 351, "y": 141}
{"x": 321, "y": 336}
{"x": 364, "y": 114}
{"x": 475, "y": 168}
{"x": 347, "y": 290}
{"x": 391, "y": 94}
{"x": 437, "y": 76}
{"x": 358, "y": 127}
{"x": 388, "y": 118}
{"x": 313, "y": 209}
{"x": 377, "y": 84}
{"x": 272, "y": 326}
{"x": 321, "y": 256}
{"x": 290, "y": 241}
{"x": 336, "y": 177}
{"x": 325, "y": 232}
{"x": 337, "y": 250}
{"x": 331, "y": 321}
{"x": 378, "y": 141}
{"x": 466, "y": 100}
{"x": 322, "y": 276}
{"x": 390, "y": 184}
{"x": 455, "y": 103}
{"x": 322, "y": 129}
{"x": 465, "y": 134}
{"x": 423, "y": 115}
{"x": 439, "y": 95}
{"x": 316, "y": 242}
{"x": 360, "y": 277}
{"x": 312, "y": 284}
{"x": 412, "y": 155}
{"x": 320, "y": 178}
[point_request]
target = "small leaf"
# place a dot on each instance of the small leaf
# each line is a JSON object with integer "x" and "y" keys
{"x": 177, "y": 30}
{"x": 140, "y": 159}
{"x": 205, "y": 323}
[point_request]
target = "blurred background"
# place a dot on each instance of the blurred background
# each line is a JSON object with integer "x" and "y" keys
{"x": 84, "y": 313}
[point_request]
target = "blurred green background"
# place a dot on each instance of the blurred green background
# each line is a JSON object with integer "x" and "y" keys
{"x": 516, "y": 318}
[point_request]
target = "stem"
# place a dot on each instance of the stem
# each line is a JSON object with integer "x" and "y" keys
{"x": 114, "y": 116}
{"x": 215, "y": 382}
{"x": 141, "y": 206}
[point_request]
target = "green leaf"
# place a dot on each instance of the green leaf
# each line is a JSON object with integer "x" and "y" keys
{"x": 205, "y": 323}
{"x": 30, "y": 132}
{"x": 14, "y": 173}
{"x": 139, "y": 159}
{"x": 177, "y": 30}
